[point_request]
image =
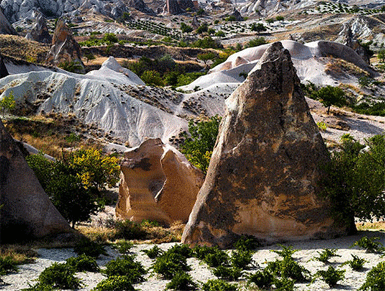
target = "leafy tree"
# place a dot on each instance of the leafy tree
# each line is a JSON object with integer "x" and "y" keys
{"x": 152, "y": 77}
{"x": 220, "y": 33}
{"x": 110, "y": 38}
{"x": 381, "y": 55}
{"x": 199, "y": 146}
{"x": 7, "y": 103}
{"x": 279, "y": 18}
{"x": 258, "y": 27}
{"x": 185, "y": 28}
{"x": 206, "y": 42}
{"x": 206, "y": 57}
{"x": 329, "y": 96}
{"x": 355, "y": 180}
{"x": 203, "y": 28}
{"x": 74, "y": 183}
{"x": 72, "y": 66}
{"x": 256, "y": 42}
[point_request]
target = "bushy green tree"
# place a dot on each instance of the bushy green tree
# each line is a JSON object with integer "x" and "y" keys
{"x": 258, "y": 27}
{"x": 329, "y": 96}
{"x": 256, "y": 42}
{"x": 185, "y": 28}
{"x": 355, "y": 180}
{"x": 381, "y": 55}
{"x": 7, "y": 103}
{"x": 199, "y": 146}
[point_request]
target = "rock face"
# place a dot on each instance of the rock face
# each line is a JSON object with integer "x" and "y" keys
{"x": 141, "y": 6}
{"x": 39, "y": 31}
{"x": 351, "y": 41}
{"x": 64, "y": 47}
{"x": 3, "y": 69}
{"x": 157, "y": 183}
{"x": 27, "y": 211}
{"x": 178, "y": 6}
{"x": 5, "y": 26}
{"x": 262, "y": 178}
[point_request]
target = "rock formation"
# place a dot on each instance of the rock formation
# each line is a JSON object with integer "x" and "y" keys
{"x": 3, "y": 69}
{"x": 39, "y": 31}
{"x": 262, "y": 178}
{"x": 178, "y": 6}
{"x": 64, "y": 47}
{"x": 26, "y": 209}
{"x": 141, "y": 6}
{"x": 5, "y": 26}
{"x": 157, "y": 183}
{"x": 351, "y": 41}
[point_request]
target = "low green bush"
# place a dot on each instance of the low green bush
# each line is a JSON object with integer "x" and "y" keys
{"x": 375, "y": 279}
{"x": 357, "y": 263}
{"x": 241, "y": 259}
{"x": 123, "y": 247}
{"x": 286, "y": 252}
{"x": 89, "y": 248}
{"x": 283, "y": 284}
{"x": 7, "y": 265}
{"x": 115, "y": 283}
{"x": 169, "y": 264}
{"x": 127, "y": 229}
{"x": 126, "y": 266}
{"x": 331, "y": 276}
{"x": 182, "y": 281}
{"x": 370, "y": 244}
{"x": 288, "y": 268}
{"x": 218, "y": 285}
{"x": 83, "y": 263}
{"x": 246, "y": 243}
{"x": 154, "y": 252}
{"x": 228, "y": 273}
{"x": 262, "y": 279}
{"x": 325, "y": 255}
{"x": 60, "y": 276}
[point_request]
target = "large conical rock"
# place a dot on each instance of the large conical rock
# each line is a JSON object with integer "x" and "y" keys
{"x": 39, "y": 31}
{"x": 5, "y": 26}
{"x": 26, "y": 209}
{"x": 3, "y": 68}
{"x": 262, "y": 178}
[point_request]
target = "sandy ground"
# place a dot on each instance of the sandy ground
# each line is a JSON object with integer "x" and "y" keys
{"x": 201, "y": 273}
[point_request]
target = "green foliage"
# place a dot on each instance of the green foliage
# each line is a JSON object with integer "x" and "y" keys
{"x": 325, "y": 255}
{"x": 283, "y": 284}
{"x": 279, "y": 18}
{"x": 123, "y": 246}
{"x": 212, "y": 256}
{"x": 329, "y": 96}
{"x": 381, "y": 55}
{"x": 89, "y": 56}
{"x": 218, "y": 285}
{"x": 199, "y": 146}
{"x": 72, "y": 66}
{"x": 269, "y": 20}
{"x": 357, "y": 263}
{"x": 74, "y": 183}
{"x": 83, "y": 263}
{"x": 206, "y": 57}
{"x": 182, "y": 249}
{"x": 288, "y": 268}
{"x": 61, "y": 276}
{"x": 154, "y": 252}
{"x": 246, "y": 243}
{"x": 115, "y": 283}
{"x": 322, "y": 126}
{"x": 377, "y": 108}
{"x": 7, "y": 265}
{"x": 262, "y": 278}
{"x": 89, "y": 248}
{"x": 182, "y": 281}
{"x": 185, "y": 28}
{"x": 365, "y": 81}
{"x": 286, "y": 252}
{"x": 40, "y": 287}
{"x": 8, "y": 103}
{"x": 152, "y": 78}
{"x": 220, "y": 33}
{"x": 370, "y": 244}
{"x": 375, "y": 279}
{"x": 169, "y": 264}
{"x": 228, "y": 273}
{"x": 241, "y": 259}
{"x": 258, "y": 27}
{"x": 206, "y": 42}
{"x": 126, "y": 266}
{"x": 202, "y": 28}
{"x": 331, "y": 276}
{"x": 200, "y": 12}
{"x": 355, "y": 180}
{"x": 127, "y": 229}
{"x": 256, "y": 42}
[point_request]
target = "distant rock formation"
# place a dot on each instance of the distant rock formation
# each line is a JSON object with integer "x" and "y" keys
{"x": 64, "y": 47}
{"x": 237, "y": 15}
{"x": 351, "y": 41}
{"x": 178, "y": 6}
{"x": 5, "y": 26}
{"x": 140, "y": 6}
{"x": 26, "y": 209}
{"x": 39, "y": 31}
{"x": 263, "y": 174}
{"x": 3, "y": 68}
{"x": 157, "y": 183}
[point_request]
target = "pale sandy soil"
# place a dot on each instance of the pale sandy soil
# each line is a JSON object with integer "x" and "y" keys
{"x": 201, "y": 273}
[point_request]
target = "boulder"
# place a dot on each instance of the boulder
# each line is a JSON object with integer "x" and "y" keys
{"x": 3, "y": 68}
{"x": 157, "y": 183}
{"x": 39, "y": 31}
{"x": 140, "y": 6}
{"x": 263, "y": 174}
{"x": 26, "y": 211}
{"x": 64, "y": 48}
{"x": 178, "y": 6}
{"x": 5, "y": 26}
{"x": 350, "y": 40}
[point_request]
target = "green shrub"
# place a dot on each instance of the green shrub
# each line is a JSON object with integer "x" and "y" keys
{"x": 286, "y": 252}
{"x": 83, "y": 263}
{"x": 123, "y": 247}
{"x": 89, "y": 248}
{"x": 115, "y": 283}
{"x": 152, "y": 78}
{"x": 241, "y": 259}
{"x": 126, "y": 266}
{"x": 127, "y": 229}
{"x": 283, "y": 284}
{"x": 7, "y": 265}
{"x": 40, "y": 287}
{"x": 154, "y": 252}
{"x": 375, "y": 279}
{"x": 206, "y": 42}
{"x": 218, "y": 285}
{"x": 329, "y": 96}
{"x": 227, "y": 273}
{"x": 331, "y": 276}
{"x": 169, "y": 264}
{"x": 182, "y": 281}
{"x": 377, "y": 108}
{"x": 288, "y": 268}
{"x": 325, "y": 255}
{"x": 246, "y": 243}
{"x": 59, "y": 276}
{"x": 181, "y": 249}
{"x": 216, "y": 258}
{"x": 263, "y": 279}
{"x": 7, "y": 103}
{"x": 357, "y": 264}
{"x": 256, "y": 42}
{"x": 370, "y": 244}
{"x": 322, "y": 126}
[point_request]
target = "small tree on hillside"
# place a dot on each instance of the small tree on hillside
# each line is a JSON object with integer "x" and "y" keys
{"x": 381, "y": 55}
{"x": 7, "y": 103}
{"x": 206, "y": 57}
{"x": 329, "y": 96}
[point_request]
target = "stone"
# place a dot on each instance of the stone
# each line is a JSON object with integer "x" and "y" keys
{"x": 263, "y": 174}
{"x": 140, "y": 6}
{"x": 5, "y": 26}
{"x": 64, "y": 47}
{"x": 157, "y": 183}
{"x": 39, "y": 31}
{"x": 26, "y": 212}
{"x": 3, "y": 68}
{"x": 178, "y": 6}
{"x": 350, "y": 40}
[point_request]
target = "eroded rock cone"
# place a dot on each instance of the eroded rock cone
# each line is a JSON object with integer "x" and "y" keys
{"x": 3, "y": 68}
{"x": 39, "y": 31}
{"x": 26, "y": 211}
{"x": 262, "y": 178}
{"x": 5, "y": 26}
{"x": 157, "y": 183}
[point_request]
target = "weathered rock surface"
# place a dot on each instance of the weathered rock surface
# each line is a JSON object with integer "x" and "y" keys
{"x": 5, "y": 26}
{"x": 39, "y": 31}
{"x": 64, "y": 47}
{"x": 351, "y": 41}
{"x": 3, "y": 68}
{"x": 178, "y": 6}
{"x": 27, "y": 211}
{"x": 157, "y": 183}
{"x": 262, "y": 178}
{"x": 141, "y": 6}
